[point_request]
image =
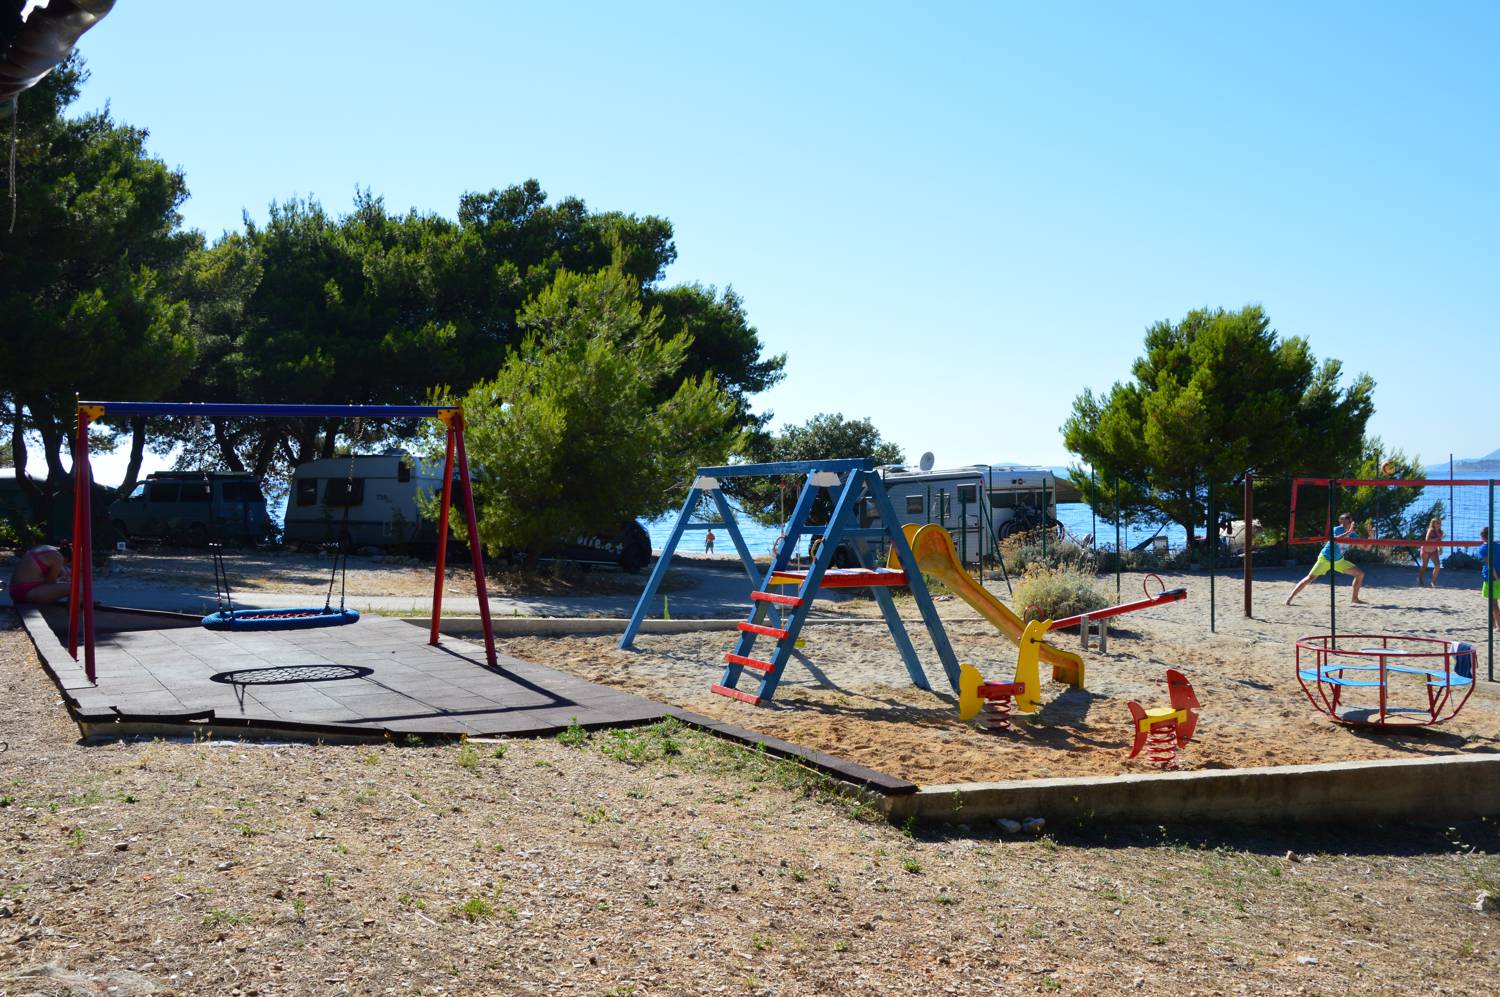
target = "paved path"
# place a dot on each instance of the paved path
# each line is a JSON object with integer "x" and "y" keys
{"x": 714, "y": 593}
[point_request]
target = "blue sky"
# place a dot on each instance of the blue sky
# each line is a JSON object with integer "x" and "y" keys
{"x": 952, "y": 222}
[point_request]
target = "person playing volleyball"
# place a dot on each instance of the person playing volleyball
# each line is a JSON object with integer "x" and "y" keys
{"x": 1331, "y": 558}
{"x": 1489, "y": 587}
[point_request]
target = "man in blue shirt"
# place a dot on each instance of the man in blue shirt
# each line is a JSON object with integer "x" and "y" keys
{"x": 1331, "y": 557}
{"x": 1489, "y": 585}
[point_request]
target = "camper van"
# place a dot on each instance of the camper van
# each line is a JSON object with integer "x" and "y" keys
{"x": 980, "y": 504}
{"x": 373, "y": 497}
{"x": 369, "y": 498}
{"x": 193, "y": 506}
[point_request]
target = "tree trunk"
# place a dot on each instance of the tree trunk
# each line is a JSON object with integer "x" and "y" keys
{"x": 32, "y": 493}
{"x": 137, "y": 451}
{"x": 330, "y": 438}
{"x": 227, "y": 452}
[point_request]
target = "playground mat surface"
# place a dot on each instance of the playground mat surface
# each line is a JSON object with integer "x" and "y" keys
{"x": 377, "y": 675}
{"x": 847, "y": 692}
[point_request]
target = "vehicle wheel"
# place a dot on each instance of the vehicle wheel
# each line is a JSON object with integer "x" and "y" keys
{"x": 1009, "y": 528}
{"x": 633, "y": 558}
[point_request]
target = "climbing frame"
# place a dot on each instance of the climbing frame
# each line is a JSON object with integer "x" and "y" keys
{"x": 850, "y": 483}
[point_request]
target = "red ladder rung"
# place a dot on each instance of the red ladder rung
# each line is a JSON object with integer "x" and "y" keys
{"x": 764, "y": 631}
{"x": 780, "y": 600}
{"x": 744, "y": 697}
{"x": 754, "y": 663}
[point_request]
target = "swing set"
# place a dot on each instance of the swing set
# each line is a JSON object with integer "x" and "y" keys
{"x": 81, "y": 595}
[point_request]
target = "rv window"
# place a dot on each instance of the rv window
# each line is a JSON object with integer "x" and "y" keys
{"x": 241, "y": 491}
{"x": 913, "y": 505}
{"x": 342, "y": 492}
{"x": 195, "y": 491}
{"x": 161, "y": 491}
{"x": 307, "y": 491}
{"x": 403, "y": 469}
{"x": 968, "y": 494}
{"x": 1002, "y": 500}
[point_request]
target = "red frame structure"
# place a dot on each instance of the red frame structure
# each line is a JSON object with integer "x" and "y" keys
{"x": 1334, "y": 655}
{"x": 81, "y": 596}
{"x": 1373, "y": 482}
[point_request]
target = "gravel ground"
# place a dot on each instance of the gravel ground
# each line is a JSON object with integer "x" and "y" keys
{"x": 660, "y": 862}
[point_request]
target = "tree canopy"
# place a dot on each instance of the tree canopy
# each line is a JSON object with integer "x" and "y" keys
{"x": 1213, "y": 395}
{"x": 823, "y": 437}
{"x": 376, "y": 307}
{"x": 572, "y": 436}
{"x": 86, "y": 277}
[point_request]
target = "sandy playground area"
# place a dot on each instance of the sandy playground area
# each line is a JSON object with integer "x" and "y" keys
{"x": 848, "y": 693}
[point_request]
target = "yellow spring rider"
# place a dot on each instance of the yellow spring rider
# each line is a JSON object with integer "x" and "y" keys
{"x": 993, "y": 702}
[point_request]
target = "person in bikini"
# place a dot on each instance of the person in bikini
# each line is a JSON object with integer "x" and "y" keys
{"x": 41, "y": 576}
{"x": 1432, "y": 550}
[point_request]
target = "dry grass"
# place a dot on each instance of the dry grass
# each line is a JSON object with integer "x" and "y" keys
{"x": 659, "y": 862}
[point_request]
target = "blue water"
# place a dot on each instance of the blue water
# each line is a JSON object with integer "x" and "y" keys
{"x": 1073, "y": 516}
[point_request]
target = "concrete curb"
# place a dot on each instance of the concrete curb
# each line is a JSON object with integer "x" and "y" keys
{"x": 1454, "y": 787}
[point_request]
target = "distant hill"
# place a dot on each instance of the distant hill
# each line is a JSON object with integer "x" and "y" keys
{"x": 1467, "y": 467}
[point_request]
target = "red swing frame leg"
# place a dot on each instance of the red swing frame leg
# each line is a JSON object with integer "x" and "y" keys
{"x": 442, "y": 549}
{"x": 81, "y": 585}
{"x": 475, "y": 547}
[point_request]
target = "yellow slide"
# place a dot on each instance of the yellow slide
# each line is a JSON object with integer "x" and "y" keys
{"x": 933, "y": 547}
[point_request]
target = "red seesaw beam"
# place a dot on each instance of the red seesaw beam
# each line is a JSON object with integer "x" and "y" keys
{"x": 1160, "y": 599}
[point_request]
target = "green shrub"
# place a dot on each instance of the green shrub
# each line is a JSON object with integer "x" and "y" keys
{"x": 1037, "y": 547}
{"x": 1051, "y": 593}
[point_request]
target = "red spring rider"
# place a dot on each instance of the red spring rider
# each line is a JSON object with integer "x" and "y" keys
{"x": 1161, "y": 730}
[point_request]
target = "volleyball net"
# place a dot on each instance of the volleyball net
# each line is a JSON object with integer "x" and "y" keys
{"x": 1391, "y": 512}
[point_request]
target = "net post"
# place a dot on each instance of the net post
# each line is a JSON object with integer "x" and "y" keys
{"x": 1211, "y": 534}
{"x": 1489, "y": 553}
{"x": 1333, "y": 574}
{"x": 442, "y": 549}
{"x": 1249, "y": 539}
{"x": 1119, "y": 554}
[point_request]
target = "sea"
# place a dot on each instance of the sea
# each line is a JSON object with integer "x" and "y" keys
{"x": 1464, "y": 514}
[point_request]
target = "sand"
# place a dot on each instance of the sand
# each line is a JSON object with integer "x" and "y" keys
{"x": 848, "y": 693}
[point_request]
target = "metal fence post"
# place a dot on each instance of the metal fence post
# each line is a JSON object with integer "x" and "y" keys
{"x": 1332, "y": 574}
{"x": 1119, "y": 553}
{"x": 1211, "y": 535}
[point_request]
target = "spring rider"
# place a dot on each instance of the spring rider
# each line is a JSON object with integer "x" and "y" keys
{"x": 1161, "y": 730}
{"x": 993, "y": 702}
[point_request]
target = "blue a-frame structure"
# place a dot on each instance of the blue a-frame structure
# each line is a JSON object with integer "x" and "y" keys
{"x": 852, "y": 484}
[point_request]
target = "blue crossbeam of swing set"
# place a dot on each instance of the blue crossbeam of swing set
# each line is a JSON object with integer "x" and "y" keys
{"x": 787, "y": 467}
{"x": 264, "y": 410}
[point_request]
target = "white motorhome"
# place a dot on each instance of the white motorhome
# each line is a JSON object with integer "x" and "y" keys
{"x": 371, "y": 497}
{"x": 979, "y": 504}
